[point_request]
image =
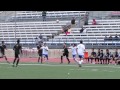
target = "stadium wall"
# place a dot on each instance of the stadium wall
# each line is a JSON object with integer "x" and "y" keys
{"x": 53, "y": 53}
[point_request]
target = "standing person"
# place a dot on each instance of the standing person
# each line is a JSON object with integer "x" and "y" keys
{"x": 97, "y": 56}
{"x": 101, "y": 57}
{"x": 18, "y": 49}
{"x": 73, "y": 21}
{"x": 39, "y": 53}
{"x": 65, "y": 53}
{"x": 107, "y": 56}
{"x": 45, "y": 50}
{"x": 44, "y": 15}
{"x": 74, "y": 52}
{"x": 80, "y": 52}
{"x": 2, "y": 49}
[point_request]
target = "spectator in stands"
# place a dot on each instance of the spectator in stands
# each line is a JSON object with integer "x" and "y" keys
{"x": 73, "y": 21}
{"x": 81, "y": 30}
{"x": 86, "y": 20}
{"x": 40, "y": 36}
{"x": 110, "y": 38}
{"x": 116, "y": 36}
{"x": 44, "y": 15}
{"x": 105, "y": 38}
{"x": 94, "y": 22}
{"x": 52, "y": 36}
{"x": 92, "y": 56}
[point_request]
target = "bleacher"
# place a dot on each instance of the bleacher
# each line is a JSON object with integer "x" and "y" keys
{"x": 27, "y": 31}
{"x": 51, "y": 15}
{"x": 92, "y": 35}
{"x": 32, "y": 26}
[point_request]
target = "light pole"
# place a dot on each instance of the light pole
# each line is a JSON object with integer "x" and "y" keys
{"x": 15, "y": 25}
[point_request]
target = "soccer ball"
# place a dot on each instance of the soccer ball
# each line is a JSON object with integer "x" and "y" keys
{"x": 57, "y": 21}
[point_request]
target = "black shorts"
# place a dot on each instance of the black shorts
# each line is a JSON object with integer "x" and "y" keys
{"x": 65, "y": 54}
{"x": 3, "y": 53}
{"x": 40, "y": 55}
{"x": 16, "y": 55}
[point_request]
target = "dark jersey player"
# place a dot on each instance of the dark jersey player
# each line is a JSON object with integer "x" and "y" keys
{"x": 65, "y": 53}
{"x": 39, "y": 53}
{"x": 2, "y": 49}
{"x": 17, "y": 49}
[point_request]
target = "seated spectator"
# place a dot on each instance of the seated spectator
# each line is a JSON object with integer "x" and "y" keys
{"x": 107, "y": 57}
{"x": 81, "y": 30}
{"x": 98, "y": 57}
{"x": 110, "y": 36}
{"x": 116, "y": 56}
{"x": 40, "y": 36}
{"x": 105, "y": 38}
{"x": 73, "y": 21}
{"x": 94, "y": 22}
{"x": 116, "y": 36}
{"x": 92, "y": 56}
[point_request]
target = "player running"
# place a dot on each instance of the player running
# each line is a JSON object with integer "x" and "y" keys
{"x": 18, "y": 49}
{"x": 80, "y": 52}
{"x": 39, "y": 53}
{"x": 74, "y": 52}
{"x": 2, "y": 49}
{"x": 45, "y": 50}
{"x": 65, "y": 53}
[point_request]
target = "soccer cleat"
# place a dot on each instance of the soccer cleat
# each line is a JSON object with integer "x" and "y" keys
{"x": 13, "y": 65}
{"x": 80, "y": 65}
{"x": 68, "y": 62}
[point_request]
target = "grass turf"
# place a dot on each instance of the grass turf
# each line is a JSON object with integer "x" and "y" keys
{"x": 57, "y": 71}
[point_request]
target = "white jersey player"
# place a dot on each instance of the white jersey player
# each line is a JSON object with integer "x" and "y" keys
{"x": 74, "y": 51}
{"x": 80, "y": 52}
{"x": 45, "y": 51}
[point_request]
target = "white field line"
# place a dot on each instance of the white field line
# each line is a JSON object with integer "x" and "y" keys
{"x": 59, "y": 65}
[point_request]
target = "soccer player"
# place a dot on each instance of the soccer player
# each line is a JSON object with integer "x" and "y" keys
{"x": 45, "y": 50}
{"x": 80, "y": 52}
{"x": 39, "y": 53}
{"x": 74, "y": 52}
{"x": 2, "y": 49}
{"x": 18, "y": 49}
{"x": 65, "y": 53}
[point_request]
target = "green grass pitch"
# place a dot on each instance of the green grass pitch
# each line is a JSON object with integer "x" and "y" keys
{"x": 58, "y": 71}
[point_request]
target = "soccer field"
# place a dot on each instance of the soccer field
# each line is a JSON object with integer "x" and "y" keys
{"x": 58, "y": 71}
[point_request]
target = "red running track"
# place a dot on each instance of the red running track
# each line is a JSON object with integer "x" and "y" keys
{"x": 35, "y": 60}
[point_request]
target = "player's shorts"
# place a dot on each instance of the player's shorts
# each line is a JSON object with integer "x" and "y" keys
{"x": 45, "y": 55}
{"x": 65, "y": 54}
{"x": 74, "y": 56}
{"x": 16, "y": 55}
{"x": 2, "y": 53}
{"x": 40, "y": 55}
{"x": 81, "y": 56}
